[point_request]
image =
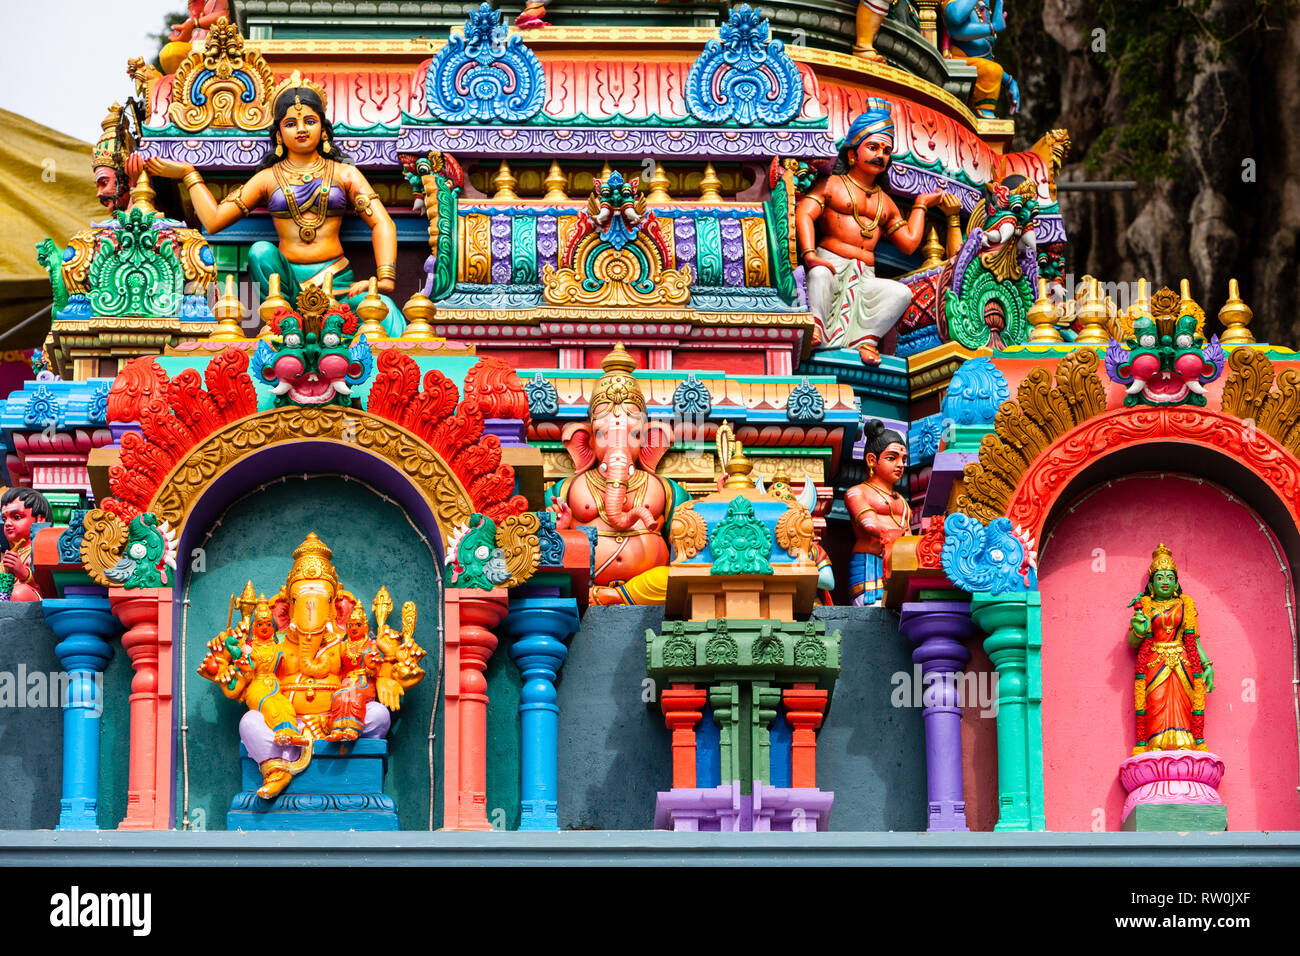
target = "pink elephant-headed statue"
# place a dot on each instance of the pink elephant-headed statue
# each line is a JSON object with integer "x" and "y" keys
{"x": 615, "y": 489}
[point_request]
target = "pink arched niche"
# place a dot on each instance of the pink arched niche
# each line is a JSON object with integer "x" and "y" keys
{"x": 1093, "y": 562}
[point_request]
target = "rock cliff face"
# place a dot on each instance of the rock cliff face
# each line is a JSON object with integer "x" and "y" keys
{"x": 1197, "y": 100}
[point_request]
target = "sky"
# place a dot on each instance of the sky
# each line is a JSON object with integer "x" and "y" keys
{"x": 64, "y": 61}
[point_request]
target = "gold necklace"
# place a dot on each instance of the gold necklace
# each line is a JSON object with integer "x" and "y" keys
{"x": 303, "y": 174}
{"x": 308, "y": 221}
{"x": 889, "y": 503}
{"x": 870, "y": 227}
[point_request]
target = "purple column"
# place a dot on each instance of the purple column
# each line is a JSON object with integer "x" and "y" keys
{"x": 939, "y": 630}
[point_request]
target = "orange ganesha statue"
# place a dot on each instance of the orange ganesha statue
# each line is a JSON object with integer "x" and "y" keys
{"x": 307, "y": 667}
{"x": 615, "y": 489}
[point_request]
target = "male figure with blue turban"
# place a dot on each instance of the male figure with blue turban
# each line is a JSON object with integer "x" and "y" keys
{"x": 838, "y": 223}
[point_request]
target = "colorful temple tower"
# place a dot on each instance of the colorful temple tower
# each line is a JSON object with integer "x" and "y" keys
{"x": 707, "y": 333}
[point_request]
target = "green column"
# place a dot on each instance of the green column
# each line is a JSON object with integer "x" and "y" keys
{"x": 762, "y": 713}
{"x": 725, "y": 701}
{"x": 1013, "y": 622}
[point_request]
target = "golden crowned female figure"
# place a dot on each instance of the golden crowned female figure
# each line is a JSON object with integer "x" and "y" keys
{"x": 307, "y": 183}
{"x": 1173, "y": 671}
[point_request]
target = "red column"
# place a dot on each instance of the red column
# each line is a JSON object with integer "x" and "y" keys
{"x": 805, "y": 707}
{"x": 682, "y": 705}
{"x": 147, "y": 616}
{"x": 471, "y": 616}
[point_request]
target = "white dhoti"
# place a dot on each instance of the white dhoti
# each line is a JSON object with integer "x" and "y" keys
{"x": 850, "y": 304}
{"x": 259, "y": 740}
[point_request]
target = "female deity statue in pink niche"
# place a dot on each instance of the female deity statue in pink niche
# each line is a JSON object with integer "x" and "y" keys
{"x": 1171, "y": 777}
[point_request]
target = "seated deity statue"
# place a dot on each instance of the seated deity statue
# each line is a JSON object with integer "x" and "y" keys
{"x": 839, "y": 223}
{"x": 339, "y": 684}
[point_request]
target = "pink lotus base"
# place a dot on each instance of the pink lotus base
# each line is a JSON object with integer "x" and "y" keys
{"x": 1171, "y": 776}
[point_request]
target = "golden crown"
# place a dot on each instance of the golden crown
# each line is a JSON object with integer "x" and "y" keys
{"x": 358, "y": 614}
{"x": 1162, "y": 559}
{"x": 296, "y": 81}
{"x": 262, "y": 610}
{"x": 313, "y": 561}
{"x": 617, "y": 386}
{"x": 109, "y": 150}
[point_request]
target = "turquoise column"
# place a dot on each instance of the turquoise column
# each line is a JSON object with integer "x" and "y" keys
{"x": 84, "y": 625}
{"x": 540, "y": 626}
{"x": 1013, "y": 622}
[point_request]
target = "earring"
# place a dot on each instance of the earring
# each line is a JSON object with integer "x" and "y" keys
{"x": 325, "y": 146}
{"x": 279, "y": 148}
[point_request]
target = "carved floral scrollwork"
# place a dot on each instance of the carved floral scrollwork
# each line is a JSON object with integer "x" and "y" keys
{"x": 223, "y": 87}
{"x": 795, "y": 532}
{"x": 101, "y": 545}
{"x": 688, "y": 532}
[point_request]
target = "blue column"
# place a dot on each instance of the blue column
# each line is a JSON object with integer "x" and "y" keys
{"x": 84, "y": 625}
{"x": 540, "y": 626}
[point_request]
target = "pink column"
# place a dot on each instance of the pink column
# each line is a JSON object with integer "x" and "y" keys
{"x": 147, "y": 616}
{"x": 470, "y": 618}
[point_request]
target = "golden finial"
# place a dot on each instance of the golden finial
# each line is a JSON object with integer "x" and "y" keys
{"x": 1042, "y": 316}
{"x": 229, "y": 312}
{"x": 505, "y": 183}
{"x": 273, "y": 303}
{"x": 1187, "y": 305}
{"x": 605, "y": 171}
{"x": 312, "y": 560}
{"x": 419, "y": 309}
{"x": 933, "y": 249}
{"x": 142, "y": 193}
{"x": 1141, "y": 308}
{"x": 1235, "y": 316}
{"x": 1162, "y": 559}
{"x": 739, "y": 469}
{"x": 1092, "y": 315}
{"x": 372, "y": 311}
{"x": 555, "y": 182}
{"x": 710, "y": 185}
{"x": 659, "y": 186}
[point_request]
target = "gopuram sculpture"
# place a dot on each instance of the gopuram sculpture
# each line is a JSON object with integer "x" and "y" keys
{"x": 615, "y": 489}
{"x": 308, "y": 668}
{"x": 880, "y": 513}
{"x": 839, "y": 223}
{"x": 308, "y": 183}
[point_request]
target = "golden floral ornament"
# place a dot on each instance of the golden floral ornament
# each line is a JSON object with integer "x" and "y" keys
{"x": 1250, "y": 394}
{"x": 795, "y": 532}
{"x": 224, "y": 86}
{"x": 101, "y": 547}
{"x": 688, "y": 533}
{"x": 517, "y": 538}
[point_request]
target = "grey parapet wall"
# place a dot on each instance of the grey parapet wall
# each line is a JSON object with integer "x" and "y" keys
{"x": 31, "y": 725}
{"x": 614, "y": 750}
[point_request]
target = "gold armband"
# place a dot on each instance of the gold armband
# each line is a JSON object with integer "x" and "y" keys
{"x": 238, "y": 201}
{"x": 816, "y": 200}
{"x": 386, "y": 272}
{"x": 191, "y": 179}
{"x": 896, "y": 225}
{"x": 363, "y": 201}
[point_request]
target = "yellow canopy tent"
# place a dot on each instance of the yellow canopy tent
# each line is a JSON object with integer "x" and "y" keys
{"x": 47, "y": 188}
